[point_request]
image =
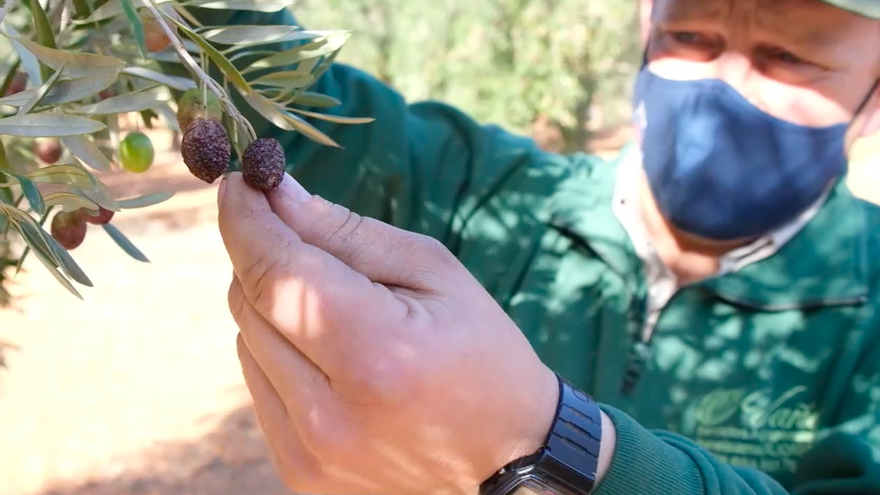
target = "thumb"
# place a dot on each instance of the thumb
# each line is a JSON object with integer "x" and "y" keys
{"x": 383, "y": 253}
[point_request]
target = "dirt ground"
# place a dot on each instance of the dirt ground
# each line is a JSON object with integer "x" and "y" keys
{"x": 137, "y": 390}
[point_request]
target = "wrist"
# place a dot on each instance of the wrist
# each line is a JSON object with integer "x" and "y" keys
{"x": 571, "y": 456}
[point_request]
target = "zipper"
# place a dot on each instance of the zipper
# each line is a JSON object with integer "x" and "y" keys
{"x": 641, "y": 348}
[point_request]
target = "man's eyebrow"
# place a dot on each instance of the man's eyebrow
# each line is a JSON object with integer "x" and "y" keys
{"x": 800, "y": 33}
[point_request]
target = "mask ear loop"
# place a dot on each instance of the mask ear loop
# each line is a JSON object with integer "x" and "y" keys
{"x": 867, "y": 98}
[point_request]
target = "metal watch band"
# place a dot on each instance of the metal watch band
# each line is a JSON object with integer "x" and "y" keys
{"x": 567, "y": 463}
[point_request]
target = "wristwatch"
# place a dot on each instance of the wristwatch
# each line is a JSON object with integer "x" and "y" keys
{"x": 566, "y": 463}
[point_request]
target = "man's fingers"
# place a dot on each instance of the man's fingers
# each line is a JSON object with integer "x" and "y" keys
{"x": 289, "y": 455}
{"x": 299, "y": 381}
{"x": 385, "y": 254}
{"x": 316, "y": 301}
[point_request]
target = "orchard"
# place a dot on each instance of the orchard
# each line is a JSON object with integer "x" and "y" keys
{"x": 73, "y": 68}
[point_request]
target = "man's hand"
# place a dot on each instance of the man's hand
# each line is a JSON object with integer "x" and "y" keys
{"x": 377, "y": 363}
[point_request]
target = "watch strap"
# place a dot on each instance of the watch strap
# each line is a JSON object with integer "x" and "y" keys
{"x": 569, "y": 457}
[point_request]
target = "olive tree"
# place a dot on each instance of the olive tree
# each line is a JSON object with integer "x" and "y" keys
{"x": 73, "y": 68}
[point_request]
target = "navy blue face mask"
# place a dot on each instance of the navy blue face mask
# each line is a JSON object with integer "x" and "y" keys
{"x": 722, "y": 169}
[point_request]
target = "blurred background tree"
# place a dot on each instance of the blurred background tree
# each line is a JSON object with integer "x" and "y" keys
{"x": 560, "y": 70}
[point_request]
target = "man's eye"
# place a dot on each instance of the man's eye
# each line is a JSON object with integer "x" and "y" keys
{"x": 786, "y": 57}
{"x": 688, "y": 38}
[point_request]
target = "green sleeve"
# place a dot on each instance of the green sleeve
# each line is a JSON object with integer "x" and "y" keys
{"x": 421, "y": 167}
{"x": 843, "y": 461}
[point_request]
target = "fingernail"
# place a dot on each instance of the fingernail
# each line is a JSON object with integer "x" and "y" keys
{"x": 221, "y": 190}
{"x": 292, "y": 190}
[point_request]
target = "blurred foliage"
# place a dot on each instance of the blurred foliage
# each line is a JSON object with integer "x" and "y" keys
{"x": 502, "y": 61}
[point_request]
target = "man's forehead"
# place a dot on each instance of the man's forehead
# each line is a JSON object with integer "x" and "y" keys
{"x": 810, "y": 22}
{"x": 759, "y": 8}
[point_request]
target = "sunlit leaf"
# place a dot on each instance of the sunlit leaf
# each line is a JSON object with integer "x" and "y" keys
{"x": 231, "y": 35}
{"x": 176, "y": 82}
{"x": 64, "y": 174}
{"x": 75, "y": 64}
{"x": 218, "y": 58}
{"x": 28, "y": 60}
{"x": 86, "y": 151}
{"x": 65, "y": 91}
{"x": 286, "y": 80}
{"x": 128, "y": 102}
{"x": 315, "y": 49}
{"x": 69, "y": 201}
{"x": 252, "y": 5}
{"x": 337, "y": 119}
{"x": 48, "y": 125}
{"x": 41, "y": 92}
{"x": 112, "y": 9}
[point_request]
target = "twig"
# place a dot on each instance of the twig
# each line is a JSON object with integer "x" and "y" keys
{"x": 202, "y": 75}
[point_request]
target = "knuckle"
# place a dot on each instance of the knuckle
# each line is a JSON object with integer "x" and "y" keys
{"x": 345, "y": 224}
{"x": 434, "y": 261}
{"x": 385, "y": 379}
{"x": 323, "y": 435}
{"x": 235, "y": 300}
{"x": 261, "y": 277}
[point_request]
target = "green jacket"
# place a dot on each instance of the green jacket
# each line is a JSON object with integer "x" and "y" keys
{"x": 764, "y": 380}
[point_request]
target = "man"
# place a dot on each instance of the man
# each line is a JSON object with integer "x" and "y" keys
{"x": 714, "y": 289}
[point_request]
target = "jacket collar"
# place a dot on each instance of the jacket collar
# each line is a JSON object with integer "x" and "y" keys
{"x": 825, "y": 263}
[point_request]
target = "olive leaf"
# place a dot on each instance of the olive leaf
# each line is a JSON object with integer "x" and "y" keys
{"x": 337, "y": 119}
{"x": 30, "y": 191}
{"x": 245, "y": 34}
{"x": 41, "y": 92}
{"x": 285, "y": 120}
{"x": 225, "y": 66}
{"x": 286, "y": 80}
{"x": 48, "y": 125}
{"x": 137, "y": 26}
{"x": 64, "y": 91}
{"x": 112, "y": 9}
{"x": 64, "y": 174}
{"x": 169, "y": 115}
{"x": 252, "y": 5}
{"x": 315, "y": 49}
{"x": 129, "y": 102}
{"x": 43, "y": 26}
{"x": 76, "y": 64}
{"x": 144, "y": 200}
{"x": 87, "y": 152}
{"x": 176, "y": 82}
{"x": 38, "y": 241}
{"x": 69, "y": 201}
{"x": 123, "y": 242}
{"x": 318, "y": 100}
